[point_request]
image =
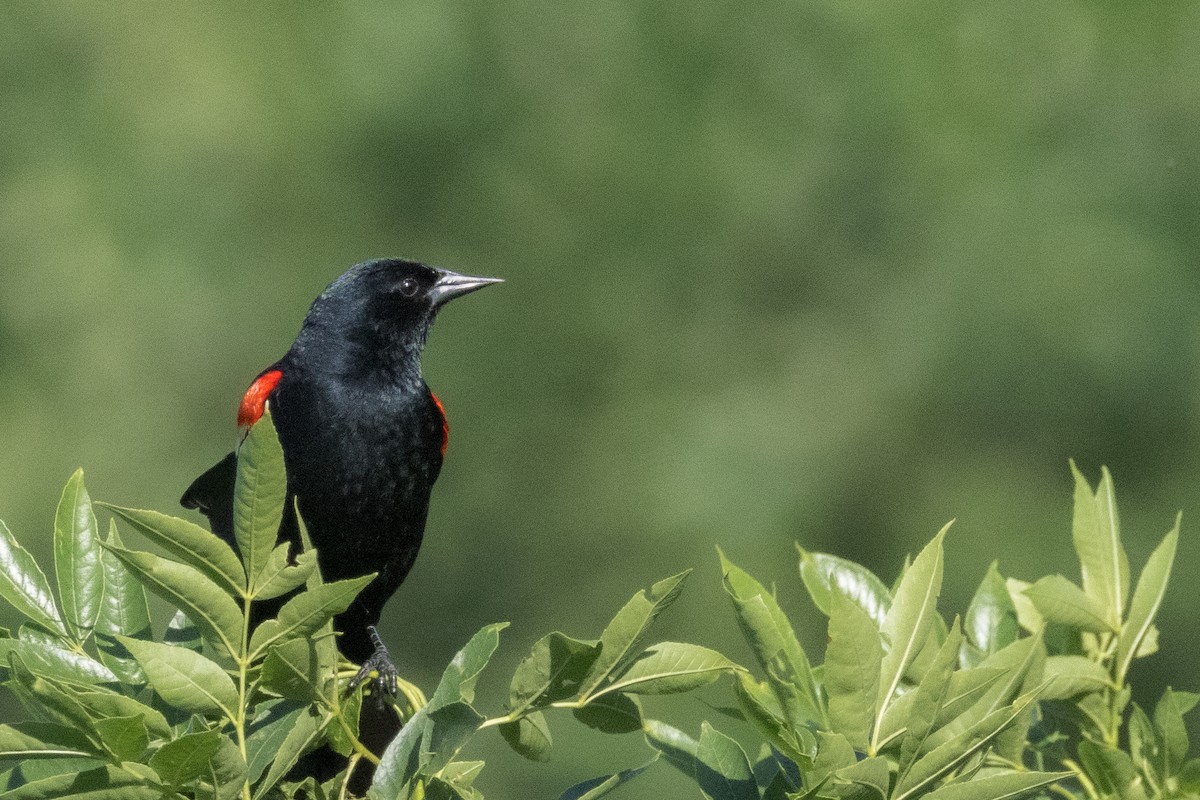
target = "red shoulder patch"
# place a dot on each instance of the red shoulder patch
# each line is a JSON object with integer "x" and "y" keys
{"x": 254, "y": 401}
{"x": 445, "y": 422}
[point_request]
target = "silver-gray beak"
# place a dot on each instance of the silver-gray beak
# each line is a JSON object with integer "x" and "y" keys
{"x": 451, "y": 285}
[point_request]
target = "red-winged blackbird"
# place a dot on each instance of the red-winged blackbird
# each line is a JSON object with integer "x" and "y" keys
{"x": 363, "y": 436}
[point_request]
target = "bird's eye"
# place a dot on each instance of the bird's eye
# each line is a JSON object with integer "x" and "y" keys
{"x": 409, "y": 286}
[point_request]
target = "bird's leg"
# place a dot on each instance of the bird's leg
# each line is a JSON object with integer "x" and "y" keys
{"x": 379, "y": 669}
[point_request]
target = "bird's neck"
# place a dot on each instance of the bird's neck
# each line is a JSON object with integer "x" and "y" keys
{"x": 370, "y": 359}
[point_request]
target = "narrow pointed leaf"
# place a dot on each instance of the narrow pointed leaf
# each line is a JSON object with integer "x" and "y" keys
{"x": 212, "y": 610}
{"x": 1060, "y": 601}
{"x": 458, "y": 679}
{"x": 47, "y": 659}
{"x": 186, "y": 758}
{"x": 188, "y": 543}
{"x": 1028, "y": 616}
{"x": 940, "y": 761}
{"x": 928, "y": 700}
{"x": 77, "y": 558}
{"x": 775, "y": 646}
{"x": 991, "y": 621}
{"x": 123, "y": 612}
{"x": 596, "y": 788}
{"x": 279, "y": 576}
{"x": 1147, "y": 598}
{"x": 29, "y": 740}
{"x": 258, "y": 495}
{"x": 723, "y": 771}
{"x": 305, "y": 613}
{"x": 852, "y": 662}
{"x": 1111, "y": 770}
{"x": 185, "y": 679}
{"x": 1096, "y": 533}
{"x": 304, "y": 732}
{"x": 102, "y": 783}
{"x": 1004, "y": 786}
{"x": 620, "y": 639}
{"x": 671, "y": 667}
{"x": 908, "y": 621}
{"x": 273, "y": 722}
{"x": 125, "y": 737}
{"x": 1168, "y": 720}
{"x": 763, "y": 711}
{"x": 24, "y": 585}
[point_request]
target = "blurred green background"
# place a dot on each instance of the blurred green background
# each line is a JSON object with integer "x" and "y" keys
{"x": 824, "y": 271}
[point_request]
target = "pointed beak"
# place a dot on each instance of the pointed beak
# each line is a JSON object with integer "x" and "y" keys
{"x": 451, "y": 285}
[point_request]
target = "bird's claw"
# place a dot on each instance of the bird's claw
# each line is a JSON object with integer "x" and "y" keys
{"x": 379, "y": 669}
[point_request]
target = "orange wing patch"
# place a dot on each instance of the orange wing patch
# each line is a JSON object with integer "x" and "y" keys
{"x": 445, "y": 423}
{"x": 254, "y": 401}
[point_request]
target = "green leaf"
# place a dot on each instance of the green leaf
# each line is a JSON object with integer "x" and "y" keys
{"x": 187, "y": 758}
{"x": 29, "y": 740}
{"x": 908, "y": 621}
{"x": 125, "y": 737}
{"x": 596, "y": 788}
{"x": 305, "y": 613}
{"x": 212, "y": 610}
{"x": 278, "y": 576}
{"x": 1028, "y": 616}
{"x": 1147, "y": 597}
{"x": 1145, "y": 746}
{"x": 293, "y": 670}
{"x": 102, "y": 783}
{"x": 553, "y": 671}
{"x": 1111, "y": 770}
{"x": 676, "y": 747}
{"x": 48, "y": 659}
{"x": 940, "y": 761}
{"x": 852, "y": 663}
{"x": 823, "y": 573}
{"x": 447, "y": 731}
{"x": 189, "y": 544}
{"x": 1062, "y": 602}
{"x": 1016, "y": 663}
{"x": 1073, "y": 675}
{"x": 763, "y": 711}
{"x": 864, "y": 780}
{"x": 185, "y": 679}
{"x": 24, "y": 585}
{"x": 458, "y": 679}
{"x": 258, "y": 495}
{"x": 627, "y": 629}
{"x": 723, "y": 771}
{"x": 1096, "y": 532}
{"x": 991, "y": 621}
{"x": 612, "y": 713}
{"x": 670, "y": 667}
{"x": 1168, "y": 720}
{"x": 77, "y": 558}
{"x": 123, "y": 611}
{"x": 303, "y": 733}
{"x": 272, "y": 724}
{"x": 400, "y": 761}
{"x": 1002, "y": 786}
{"x": 775, "y": 646}
{"x": 929, "y": 698}
{"x": 529, "y": 736}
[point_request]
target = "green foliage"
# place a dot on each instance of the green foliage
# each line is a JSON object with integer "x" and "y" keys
{"x": 1028, "y": 693}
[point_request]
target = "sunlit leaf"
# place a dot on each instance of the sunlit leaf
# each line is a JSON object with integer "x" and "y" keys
{"x": 125, "y": 737}
{"x": 24, "y": 585}
{"x": 823, "y": 573}
{"x": 1073, "y": 675}
{"x": 991, "y": 620}
{"x": 852, "y": 662}
{"x": 258, "y": 495}
{"x": 723, "y": 771}
{"x": 185, "y": 679}
{"x": 1096, "y": 532}
{"x": 1004, "y": 786}
{"x": 1147, "y": 598}
{"x": 77, "y": 558}
{"x": 551, "y": 672}
{"x": 101, "y": 783}
{"x": 670, "y": 667}
{"x": 1060, "y": 601}
{"x": 278, "y": 576}
{"x": 596, "y": 788}
{"x": 123, "y": 612}
{"x": 458, "y": 679}
{"x": 305, "y": 613}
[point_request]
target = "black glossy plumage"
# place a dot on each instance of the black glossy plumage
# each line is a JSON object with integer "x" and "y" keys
{"x": 362, "y": 434}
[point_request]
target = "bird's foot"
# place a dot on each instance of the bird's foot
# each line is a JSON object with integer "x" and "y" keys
{"x": 379, "y": 669}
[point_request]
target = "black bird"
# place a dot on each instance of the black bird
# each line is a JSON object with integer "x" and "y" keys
{"x": 363, "y": 436}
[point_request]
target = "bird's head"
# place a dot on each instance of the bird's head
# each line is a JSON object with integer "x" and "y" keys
{"x": 381, "y": 311}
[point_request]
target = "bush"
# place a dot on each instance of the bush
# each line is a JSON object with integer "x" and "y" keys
{"x": 1028, "y": 692}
